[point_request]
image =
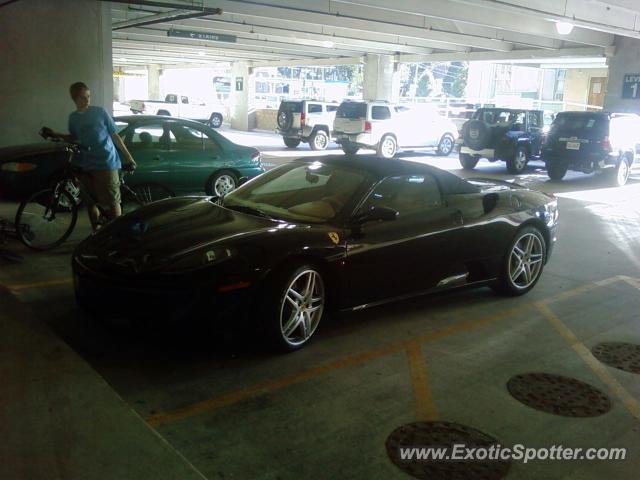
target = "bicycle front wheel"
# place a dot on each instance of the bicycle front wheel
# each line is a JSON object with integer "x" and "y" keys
{"x": 46, "y": 219}
{"x": 143, "y": 194}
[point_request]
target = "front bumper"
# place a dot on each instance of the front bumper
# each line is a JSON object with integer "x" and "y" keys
{"x": 485, "y": 153}
{"x": 21, "y": 184}
{"x": 165, "y": 300}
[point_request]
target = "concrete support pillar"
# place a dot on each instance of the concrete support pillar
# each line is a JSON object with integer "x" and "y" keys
{"x": 153, "y": 82}
{"x": 241, "y": 108}
{"x": 623, "y": 85}
{"x": 45, "y": 48}
{"x": 381, "y": 78}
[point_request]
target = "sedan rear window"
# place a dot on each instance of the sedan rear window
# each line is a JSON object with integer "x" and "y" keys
{"x": 352, "y": 110}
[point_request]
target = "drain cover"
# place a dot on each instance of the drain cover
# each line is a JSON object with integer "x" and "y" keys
{"x": 624, "y": 356}
{"x": 559, "y": 395}
{"x": 444, "y": 435}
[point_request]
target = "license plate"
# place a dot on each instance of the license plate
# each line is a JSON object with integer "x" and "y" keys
{"x": 573, "y": 145}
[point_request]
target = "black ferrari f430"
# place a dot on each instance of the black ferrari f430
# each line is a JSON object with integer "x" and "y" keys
{"x": 313, "y": 235}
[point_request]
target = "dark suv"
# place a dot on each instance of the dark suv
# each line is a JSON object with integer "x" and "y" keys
{"x": 592, "y": 141}
{"x": 511, "y": 135}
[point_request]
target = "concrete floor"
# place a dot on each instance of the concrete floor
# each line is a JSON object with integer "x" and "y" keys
{"x": 226, "y": 408}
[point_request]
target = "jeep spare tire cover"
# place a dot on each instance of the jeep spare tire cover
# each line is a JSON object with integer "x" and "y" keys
{"x": 285, "y": 119}
{"x": 475, "y": 134}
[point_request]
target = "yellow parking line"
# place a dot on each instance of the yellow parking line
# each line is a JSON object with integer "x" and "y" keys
{"x": 357, "y": 359}
{"x": 48, "y": 283}
{"x": 425, "y": 408}
{"x": 598, "y": 368}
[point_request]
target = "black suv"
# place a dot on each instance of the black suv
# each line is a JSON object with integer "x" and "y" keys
{"x": 511, "y": 135}
{"x": 592, "y": 141}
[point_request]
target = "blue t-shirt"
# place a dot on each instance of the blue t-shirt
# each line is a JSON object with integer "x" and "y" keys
{"x": 93, "y": 129}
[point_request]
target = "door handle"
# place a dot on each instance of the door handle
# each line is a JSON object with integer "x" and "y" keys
{"x": 215, "y": 157}
{"x": 157, "y": 157}
{"x": 457, "y": 217}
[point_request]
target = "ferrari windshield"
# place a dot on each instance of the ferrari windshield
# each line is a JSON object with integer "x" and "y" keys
{"x": 311, "y": 192}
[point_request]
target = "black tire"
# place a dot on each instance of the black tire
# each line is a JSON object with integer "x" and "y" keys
{"x": 42, "y": 223}
{"x": 445, "y": 147}
{"x": 215, "y": 120}
{"x": 388, "y": 147}
{"x": 291, "y": 142}
{"x": 164, "y": 112}
{"x": 557, "y": 171}
{"x": 505, "y": 283}
{"x": 621, "y": 172}
{"x": 349, "y": 148}
{"x": 468, "y": 162}
{"x": 319, "y": 140}
{"x": 518, "y": 162}
{"x": 475, "y": 134}
{"x": 221, "y": 183}
{"x": 279, "y": 311}
{"x": 144, "y": 194}
{"x": 284, "y": 119}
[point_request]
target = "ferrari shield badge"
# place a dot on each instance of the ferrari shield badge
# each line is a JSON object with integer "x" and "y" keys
{"x": 335, "y": 238}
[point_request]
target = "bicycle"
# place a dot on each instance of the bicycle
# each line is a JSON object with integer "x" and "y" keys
{"x": 47, "y": 218}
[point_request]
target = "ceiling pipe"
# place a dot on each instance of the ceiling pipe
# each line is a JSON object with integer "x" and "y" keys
{"x": 176, "y": 6}
{"x": 172, "y": 16}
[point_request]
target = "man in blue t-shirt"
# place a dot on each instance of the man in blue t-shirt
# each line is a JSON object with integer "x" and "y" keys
{"x": 94, "y": 130}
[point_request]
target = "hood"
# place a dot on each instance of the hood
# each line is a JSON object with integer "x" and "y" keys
{"x": 172, "y": 228}
{"x": 489, "y": 185}
{"x": 8, "y": 154}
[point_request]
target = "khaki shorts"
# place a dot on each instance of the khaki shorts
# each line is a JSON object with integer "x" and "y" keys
{"x": 100, "y": 187}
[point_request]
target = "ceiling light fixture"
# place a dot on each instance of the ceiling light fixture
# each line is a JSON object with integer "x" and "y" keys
{"x": 122, "y": 59}
{"x": 201, "y": 53}
{"x": 564, "y": 28}
{"x": 328, "y": 44}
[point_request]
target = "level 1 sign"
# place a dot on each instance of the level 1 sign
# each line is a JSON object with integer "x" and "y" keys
{"x": 631, "y": 86}
{"x": 214, "y": 37}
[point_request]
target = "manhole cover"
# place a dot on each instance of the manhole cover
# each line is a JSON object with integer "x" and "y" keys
{"x": 624, "y": 356}
{"x": 559, "y": 395}
{"x": 416, "y": 438}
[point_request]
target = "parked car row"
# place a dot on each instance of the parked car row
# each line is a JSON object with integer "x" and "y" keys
{"x": 183, "y": 155}
{"x": 382, "y": 126}
{"x": 580, "y": 141}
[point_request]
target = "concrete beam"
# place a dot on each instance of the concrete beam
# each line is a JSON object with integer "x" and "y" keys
{"x": 310, "y": 63}
{"x": 498, "y": 15}
{"x": 515, "y": 55}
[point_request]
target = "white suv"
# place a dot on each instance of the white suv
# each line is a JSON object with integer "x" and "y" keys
{"x": 388, "y": 127}
{"x": 306, "y": 121}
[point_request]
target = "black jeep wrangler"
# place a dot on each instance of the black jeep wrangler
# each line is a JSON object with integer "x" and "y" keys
{"x": 511, "y": 135}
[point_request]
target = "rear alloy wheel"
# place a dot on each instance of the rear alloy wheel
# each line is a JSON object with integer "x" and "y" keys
{"x": 319, "y": 140}
{"x": 517, "y": 163}
{"x": 622, "y": 172}
{"x": 524, "y": 262}
{"x": 387, "y": 147}
{"x": 215, "y": 121}
{"x": 445, "y": 147}
{"x": 296, "y": 307}
{"x": 222, "y": 183}
{"x": 556, "y": 171}
{"x": 291, "y": 142}
{"x": 468, "y": 162}
{"x": 350, "y": 148}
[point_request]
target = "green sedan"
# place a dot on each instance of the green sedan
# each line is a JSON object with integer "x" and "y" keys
{"x": 185, "y": 155}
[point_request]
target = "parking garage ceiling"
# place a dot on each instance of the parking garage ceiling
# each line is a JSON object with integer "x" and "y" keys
{"x": 316, "y": 32}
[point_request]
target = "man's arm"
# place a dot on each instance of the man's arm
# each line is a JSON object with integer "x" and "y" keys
{"x": 123, "y": 148}
{"x": 67, "y": 137}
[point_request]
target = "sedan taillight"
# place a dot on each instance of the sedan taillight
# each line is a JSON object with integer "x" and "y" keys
{"x": 367, "y": 127}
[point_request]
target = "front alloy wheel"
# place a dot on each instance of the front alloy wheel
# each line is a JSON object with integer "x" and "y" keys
{"x": 518, "y": 162}
{"x": 524, "y": 262}
{"x": 301, "y": 308}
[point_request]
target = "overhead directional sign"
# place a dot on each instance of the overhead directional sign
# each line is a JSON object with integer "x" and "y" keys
{"x": 631, "y": 86}
{"x": 213, "y": 37}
